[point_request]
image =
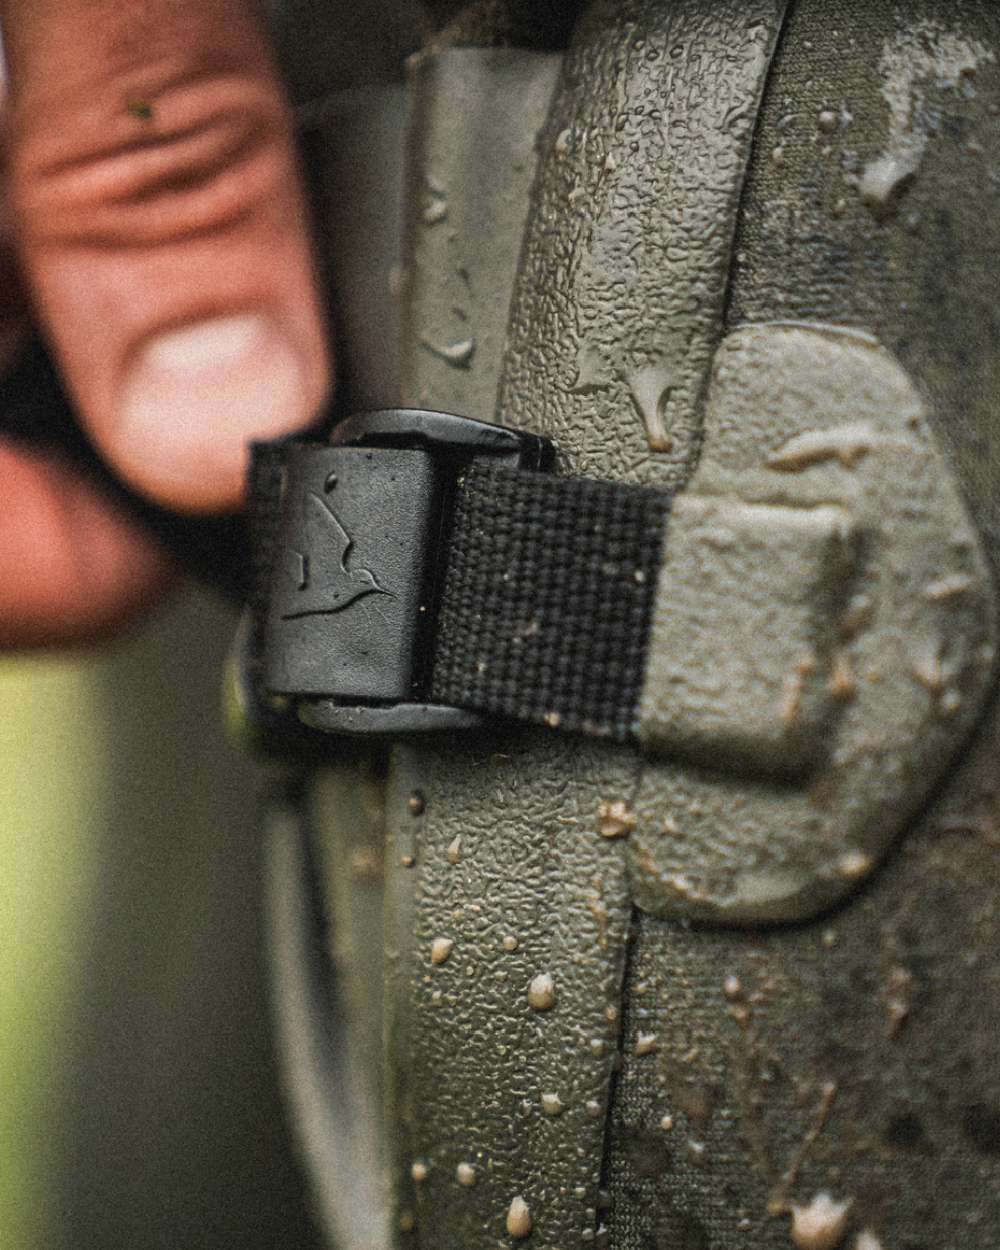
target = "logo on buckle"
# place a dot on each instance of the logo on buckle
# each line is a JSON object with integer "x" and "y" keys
{"x": 323, "y": 580}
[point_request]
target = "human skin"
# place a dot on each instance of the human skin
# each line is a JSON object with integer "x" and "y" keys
{"x": 153, "y": 224}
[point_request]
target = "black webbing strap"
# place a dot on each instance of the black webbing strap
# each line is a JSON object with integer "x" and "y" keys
{"x": 547, "y": 599}
{"x": 542, "y": 586}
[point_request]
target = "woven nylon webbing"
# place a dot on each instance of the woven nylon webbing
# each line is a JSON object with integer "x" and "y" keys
{"x": 548, "y": 597}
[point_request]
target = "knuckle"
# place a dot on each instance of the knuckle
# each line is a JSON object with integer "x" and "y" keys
{"x": 193, "y": 158}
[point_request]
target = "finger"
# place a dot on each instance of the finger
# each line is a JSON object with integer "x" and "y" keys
{"x": 71, "y": 571}
{"x": 161, "y": 225}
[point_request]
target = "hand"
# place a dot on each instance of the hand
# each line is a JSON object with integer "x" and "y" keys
{"x": 153, "y": 220}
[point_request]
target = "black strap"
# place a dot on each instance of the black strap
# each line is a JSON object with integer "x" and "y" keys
{"x": 548, "y": 598}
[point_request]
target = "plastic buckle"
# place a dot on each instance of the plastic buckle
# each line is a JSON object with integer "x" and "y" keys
{"x": 359, "y": 570}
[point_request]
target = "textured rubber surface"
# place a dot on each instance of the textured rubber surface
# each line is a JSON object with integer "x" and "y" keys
{"x": 891, "y": 1000}
{"x": 616, "y": 252}
{"x": 647, "y": 242}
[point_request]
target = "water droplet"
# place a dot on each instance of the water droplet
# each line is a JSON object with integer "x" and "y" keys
{"x": 591, "y": 372}
{"x": 854, "y": 864}
{"x": 843, "y": 685}
{"x": 740, "y": 1012}
{"x": 897, "y": 994}
{"x": 441, "y": 948}
{"x": 542, "y": 992}
{"x": 458, "y": 355}
{"x": 519, "y": 1219}
{"x": 886, "y": 180}
{"x": 866, "y": 1240}
{"x": 436, "y": 210}
{"x": 949, "y": 587}
{"x": 650, "y": 388}
{"x": 820, "y": 1225}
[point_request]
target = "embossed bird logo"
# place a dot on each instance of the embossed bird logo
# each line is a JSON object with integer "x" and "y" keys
{"x": 323, "y": 580}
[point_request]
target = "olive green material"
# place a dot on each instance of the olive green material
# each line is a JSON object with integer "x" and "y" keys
{"x": 708, "y": 173}
{"x": 352, "y": 144}
{"x": 351, "y": 874}
{"x": 857, "y": 1056}
{"x": 329, "y": 1071}
{"x": 744, "y": 634}
{"x": 475, "y": 920}
{"x": 890, "y": 999}
{"x": 471, "y": 161}
{"x": 485, "y": 108}
{"x": 810, "y": 422}
{"x": 509, "y": 845}
{"x": 512, "y": 1006}
{"x": 623, "y": 282}
{"x": 472, "y": 158}
{"x": 919, "y": 272}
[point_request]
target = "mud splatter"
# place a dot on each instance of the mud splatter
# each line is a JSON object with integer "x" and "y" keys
{"x": 615, "y": 819}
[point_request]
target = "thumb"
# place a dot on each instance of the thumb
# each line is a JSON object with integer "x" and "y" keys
{"x": 161, "y": 227}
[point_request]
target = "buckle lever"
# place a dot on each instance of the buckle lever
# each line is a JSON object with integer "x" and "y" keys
{"x": 359, "y": 565}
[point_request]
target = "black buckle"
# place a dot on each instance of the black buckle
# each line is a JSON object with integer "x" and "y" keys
{"x": 360, "y": 562}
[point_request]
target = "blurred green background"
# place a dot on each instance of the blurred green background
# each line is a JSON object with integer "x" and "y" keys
{"x": 138, "y": 1102}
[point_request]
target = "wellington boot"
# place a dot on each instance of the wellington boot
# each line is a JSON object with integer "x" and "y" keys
{"x": 732, "y": 983}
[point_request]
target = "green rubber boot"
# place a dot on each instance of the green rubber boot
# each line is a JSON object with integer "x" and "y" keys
{"x": 737, "y": 987}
